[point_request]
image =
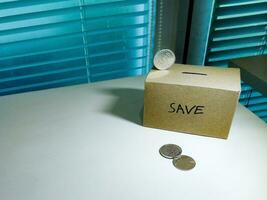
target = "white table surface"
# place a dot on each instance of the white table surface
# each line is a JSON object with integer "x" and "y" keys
{"x": 86, "y": 142}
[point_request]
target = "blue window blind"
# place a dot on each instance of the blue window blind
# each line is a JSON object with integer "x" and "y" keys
{"x": 254, "y": 101}
{"x": 52, "y": 43}
{"x": 238, "y": 29}
{"x": 230, "y": 29}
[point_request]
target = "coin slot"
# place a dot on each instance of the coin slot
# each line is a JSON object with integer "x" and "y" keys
{"x": 195, "y": 73}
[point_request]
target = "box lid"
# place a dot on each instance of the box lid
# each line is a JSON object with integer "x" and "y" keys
{"x": 253, "y": 71}
{"x": 199, "y": 76}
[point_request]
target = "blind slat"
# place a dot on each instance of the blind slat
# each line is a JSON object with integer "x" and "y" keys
{"x": 234, "y": 3}
{"x": 118, "y": 73}
{"x": 29, "y": 7}
{"x": 228, "y": 55}
{"x": 74, "y": 41}
{"x": 239, "y": 33}
{"x": 67, "y": 28}
{"x": 71, "y": 73}
{"x": 242, "y": 10}
{"x": 236, "y": 44}
{"x": 44, "y": 85}
{"x": 242, "y": 22}
{"x": 94, "y": 50}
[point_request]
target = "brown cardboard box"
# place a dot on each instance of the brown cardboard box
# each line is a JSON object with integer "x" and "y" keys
{"x": 253, "y": 71}
{"x": 197, "y": 100}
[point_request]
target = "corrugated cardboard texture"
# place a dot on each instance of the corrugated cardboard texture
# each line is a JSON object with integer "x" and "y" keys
{"x": 193, "y": 103}
{"x": 253, "y": 71}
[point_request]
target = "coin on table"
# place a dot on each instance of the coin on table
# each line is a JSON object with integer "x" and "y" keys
{"x": 170, "y": 151}
{"x": 184, "y": 162}
{"x": 164, "y": 59}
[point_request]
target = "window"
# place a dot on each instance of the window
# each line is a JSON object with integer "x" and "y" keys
{"x": 52, "y": 43}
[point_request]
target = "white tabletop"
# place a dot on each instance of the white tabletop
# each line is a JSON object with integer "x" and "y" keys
{"x": 86, "y": 142}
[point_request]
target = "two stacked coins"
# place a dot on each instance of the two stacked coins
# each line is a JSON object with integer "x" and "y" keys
{"x": 182, "y": 162}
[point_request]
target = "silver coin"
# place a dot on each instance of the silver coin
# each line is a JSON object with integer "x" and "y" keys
{"x": 184, "y": 162}
{"x": 170, "y": 151}
{"x": 164, "y": 59}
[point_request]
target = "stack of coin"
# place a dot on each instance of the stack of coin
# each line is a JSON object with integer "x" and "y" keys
{"x": 182, "y": 162}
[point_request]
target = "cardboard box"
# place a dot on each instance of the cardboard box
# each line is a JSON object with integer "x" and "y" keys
{"x": 253, "y": 71}
{"x": 191, "y": 99}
